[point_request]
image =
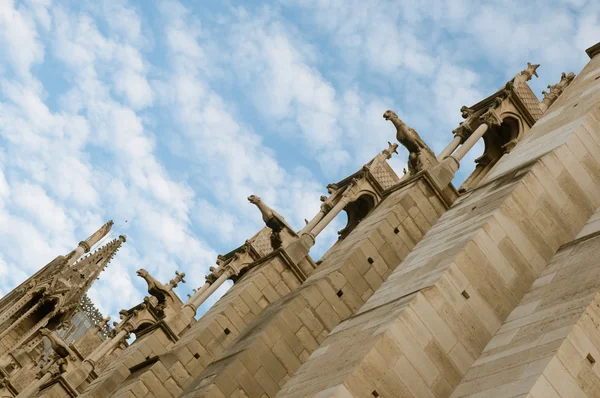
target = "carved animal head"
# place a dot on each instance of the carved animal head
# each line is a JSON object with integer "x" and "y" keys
{"x": 389, "y": 114}
{"x": 45, "y": 332}
{"x": 253, "y": 199}
{"x": 141, "y": 272}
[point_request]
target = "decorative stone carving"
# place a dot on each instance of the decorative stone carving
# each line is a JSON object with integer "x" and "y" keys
{"x": 155, "y": 288}
{"x": 177, "y": 280}
{"x": 59, "y": 359}
{"x": 530, "y": 71}
{"x": 390, "y": 150}
{"x": 332, "y": 189}
{"x": 463, "y": 131}
{"x": 326, "y": 206}
{"x": 556, "y": 90}
{"x": 465, "y": 111}
{"x": 57, "y": 345}
{"x": 491, "y": 118}
{"x": 411, "y": 140}
{"x": 272, "y": 220}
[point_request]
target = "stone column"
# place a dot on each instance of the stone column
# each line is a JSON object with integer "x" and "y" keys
{"x": 198, "y": 293}
{"x": 548, "y": 100}
{"x": 31, "y": 390}
{"x": 461, "y": 133}
{"x": 311, "y": 224}
{"x": 450, "y": 148}
{"x": 330, "y": 216}
{"x": 489, "y": 119}
{"x": 201, "y": 295}
{"x": 106, "y": 347}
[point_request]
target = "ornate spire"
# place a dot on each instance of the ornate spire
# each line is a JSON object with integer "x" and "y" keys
{"x": 84, "y": 273}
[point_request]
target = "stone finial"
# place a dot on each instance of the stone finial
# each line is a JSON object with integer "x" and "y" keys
{"x": 390, "y": 150}
{"x": 530, "y": 71}
{"x": 177, "y": 280}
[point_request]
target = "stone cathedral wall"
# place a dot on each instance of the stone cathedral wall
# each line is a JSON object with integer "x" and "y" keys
{"x": 493, "y": 293}
{"x": 274, "y": 346}
{"x": 419, "y": 334}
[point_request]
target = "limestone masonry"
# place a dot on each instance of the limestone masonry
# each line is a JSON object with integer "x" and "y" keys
{"x": 488, "y": 290}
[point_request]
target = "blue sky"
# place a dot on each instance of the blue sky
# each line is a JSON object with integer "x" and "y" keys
{"x": 168, "y": 114}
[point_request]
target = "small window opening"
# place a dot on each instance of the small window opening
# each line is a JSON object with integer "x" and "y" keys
{"x": 375, "y": 393}
{"x": 396, "y": 230}
{"x": 340, "y": 293}
{"x": 591, "y": 359}
{"x": 370, "y": 260}
{"x": 197, "y": 356}
{"x": 465, "y": 294}
{"x": 227, "y": 331}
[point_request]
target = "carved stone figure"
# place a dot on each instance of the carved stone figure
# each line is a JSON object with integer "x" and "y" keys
{"x": 57, "y": 345}
{"x": 155, "y": 288}
{"x": 465, "y": 111}
{"x": 177, "y": 280}
{"x": 559, "y": 87}
{"x": 272, "y": 220}
{"x": 530, "y": 71}
{"x": 332, "y": 188}
{"x": 389, "y": 150}
{"x": 410, "y": 139}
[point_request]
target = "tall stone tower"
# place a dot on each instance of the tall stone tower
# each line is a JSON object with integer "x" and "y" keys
{"x": 49, "y": 299}
{"x": 488, "y": 290}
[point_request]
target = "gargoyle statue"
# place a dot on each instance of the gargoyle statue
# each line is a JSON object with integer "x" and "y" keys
{"x": 62, "y": 352}
{"x": 155, "y": 288}
{"x": 272, "y": 220}
{"x": 410, "y": 139}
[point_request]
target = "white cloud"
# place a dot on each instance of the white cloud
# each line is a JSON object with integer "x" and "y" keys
{"x": 178, "y": 154}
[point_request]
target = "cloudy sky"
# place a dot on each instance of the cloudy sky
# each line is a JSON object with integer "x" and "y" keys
{"x": 169, "y": 114}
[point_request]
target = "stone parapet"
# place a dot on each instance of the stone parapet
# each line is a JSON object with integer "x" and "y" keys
{"x": 272, "y": 348}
